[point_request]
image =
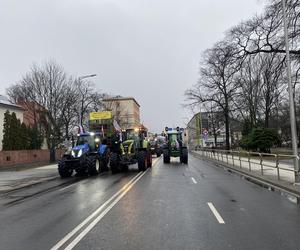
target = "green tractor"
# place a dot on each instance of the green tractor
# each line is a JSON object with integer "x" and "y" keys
{"x": 174, "y": 146}
{"x": 134, "y": 149}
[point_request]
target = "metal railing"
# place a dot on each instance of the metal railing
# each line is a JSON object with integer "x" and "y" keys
{"x": 281, "y": 165}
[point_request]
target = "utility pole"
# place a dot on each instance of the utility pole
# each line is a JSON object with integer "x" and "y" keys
{"x": 291, "y": 95}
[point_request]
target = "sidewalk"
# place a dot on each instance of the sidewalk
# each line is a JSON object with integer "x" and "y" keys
{"x": 12, "y": 180}
{"x": 265, "y": 171}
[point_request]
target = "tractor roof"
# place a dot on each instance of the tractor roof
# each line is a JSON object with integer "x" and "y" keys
{"x": 89, "y": 134}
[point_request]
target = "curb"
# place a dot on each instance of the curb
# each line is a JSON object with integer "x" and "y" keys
{"x": 253, "y": 177}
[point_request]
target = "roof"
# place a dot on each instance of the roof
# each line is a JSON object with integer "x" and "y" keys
{"x": 121, "y": 99}
{"x": 6, "y": 103}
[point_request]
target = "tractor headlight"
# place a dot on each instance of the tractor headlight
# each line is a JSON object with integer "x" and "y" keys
{"x": 73, "y": 153}
{"x": 79, "y": 153}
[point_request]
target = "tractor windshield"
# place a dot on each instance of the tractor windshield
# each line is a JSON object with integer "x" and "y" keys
{"x": 174, "y": 140}
{"x": 174, "y": 137}
{"x": 92, "y": 141}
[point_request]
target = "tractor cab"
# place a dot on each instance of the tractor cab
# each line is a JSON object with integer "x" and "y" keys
{"x": 86, "y": 142}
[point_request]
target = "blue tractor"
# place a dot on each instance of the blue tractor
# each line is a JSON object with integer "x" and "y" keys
{"x": 89, "y": 156}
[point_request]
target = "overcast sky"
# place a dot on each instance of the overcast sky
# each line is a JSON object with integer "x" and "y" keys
{"x": 148, "y": 49}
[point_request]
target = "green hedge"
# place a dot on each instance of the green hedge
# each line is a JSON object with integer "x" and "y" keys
{"x": 17, "y": 136}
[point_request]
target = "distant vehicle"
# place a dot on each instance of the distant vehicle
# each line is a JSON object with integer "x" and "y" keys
{"x": 156, "y": 147}
{"x": 87, "y": 157}
{"x": 174, "y": 146}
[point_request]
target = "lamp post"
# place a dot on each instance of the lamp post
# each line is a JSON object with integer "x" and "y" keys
{"x": 291, "y": 95}
{"x": 79, "y": 79}
{"x": 86, "y": 76}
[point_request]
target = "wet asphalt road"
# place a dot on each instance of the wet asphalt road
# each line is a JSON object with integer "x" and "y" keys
{"x": 173, "y": 206}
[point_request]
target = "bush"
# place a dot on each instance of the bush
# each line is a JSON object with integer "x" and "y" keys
{"x": 17, "y": 136}
{"x": 260, "y": 139}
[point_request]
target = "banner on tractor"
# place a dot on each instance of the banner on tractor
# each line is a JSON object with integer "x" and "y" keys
{"x": 100, "y": 115}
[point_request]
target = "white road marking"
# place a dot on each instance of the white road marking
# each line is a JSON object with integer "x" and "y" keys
{"x": 114, "y": 199}
{"x": 193, "y": 179}
{"x": 53, "y": 166}
{"x": 64, "y": 188}
{"x": 216, "y": 213}
{"x": 82, "y": 224}
{"x": 100, "y": 216}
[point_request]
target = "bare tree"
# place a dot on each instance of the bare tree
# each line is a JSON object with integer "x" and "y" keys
{"x": 216, "y": 83}
{"x": 264, "y": 33}
{"x": 248, "y": 95}
{"x": 45, "y": 85}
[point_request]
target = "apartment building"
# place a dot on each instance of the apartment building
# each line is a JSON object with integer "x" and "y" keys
{"x": 126, "y": 111}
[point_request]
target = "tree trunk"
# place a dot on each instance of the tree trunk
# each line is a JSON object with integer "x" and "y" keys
{"x": 227, "y": 131}
{"x": 52, "y": 155}
{"x": 67, "y": 131}
{"x": 52, "y": 152}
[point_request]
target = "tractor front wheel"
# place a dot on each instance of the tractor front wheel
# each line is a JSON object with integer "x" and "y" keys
{"x": 114, "y": 163}
{"x": 63, "y": 170}
{"x": 142, "y": 160}
{"x": 92, "y": 162}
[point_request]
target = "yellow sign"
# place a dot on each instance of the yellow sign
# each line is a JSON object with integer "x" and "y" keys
{"x": 100, "y": 115}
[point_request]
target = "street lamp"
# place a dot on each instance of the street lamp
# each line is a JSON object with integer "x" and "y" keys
{"x": 87, "y": 76}
{"x": 291, "y": 96}
{"x": 79, "y": 79}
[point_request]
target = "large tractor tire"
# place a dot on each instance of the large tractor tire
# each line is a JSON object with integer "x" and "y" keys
{"x": 149, "y": 160}
{"x": 184, "y": 156}
{"x": 124, "y": 168}
{"x": 158, "y": 154}
{"x": 103, "y": 164}
{"x": 114, "y": 163}
{"x": 63, "y": 170}
{"x": 142, "y": 160}
{"x": 92, "y": 164}
{"x": 167, "y": 157}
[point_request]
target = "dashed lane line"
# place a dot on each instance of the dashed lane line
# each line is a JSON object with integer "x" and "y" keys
{"x": 216, "y": 213}
{"x": 193, "y": 180}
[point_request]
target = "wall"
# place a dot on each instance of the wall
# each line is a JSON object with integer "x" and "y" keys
{"x": 3, "y": 109}
{"x": 26, "y": 157}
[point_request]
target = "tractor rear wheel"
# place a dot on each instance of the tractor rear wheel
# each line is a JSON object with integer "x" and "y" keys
{"x": 142, "y": 160}
{"x": 114, "y": 163}
{"x": 184, "y": 156}
{"x": 63, "y": 170}
{"x": 167, "y": 157}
